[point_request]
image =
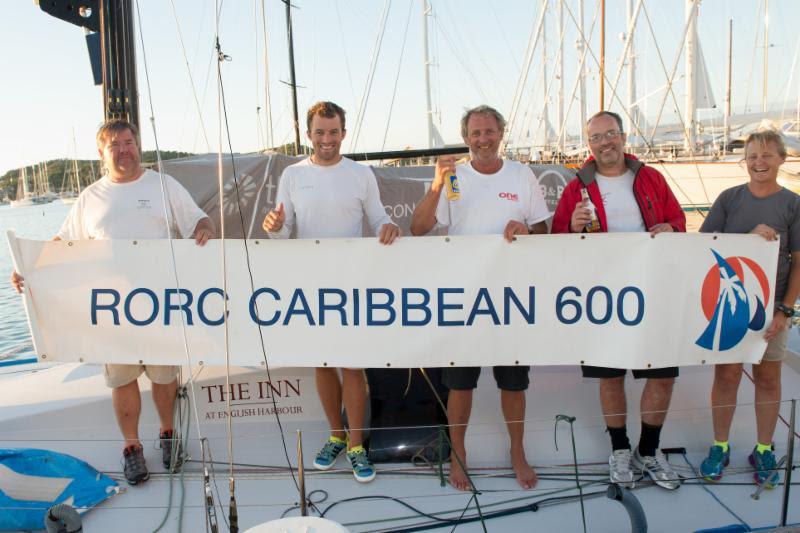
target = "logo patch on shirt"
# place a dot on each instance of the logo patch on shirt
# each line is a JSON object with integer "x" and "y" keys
{"x": 143, "y": 204}
{"x": 514, "y": 197}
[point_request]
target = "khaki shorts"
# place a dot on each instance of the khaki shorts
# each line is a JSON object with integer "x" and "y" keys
{"x": 776, "y": 348}
{"x": 120, "y": 375}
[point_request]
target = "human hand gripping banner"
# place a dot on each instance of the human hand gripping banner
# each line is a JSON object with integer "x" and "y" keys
{"x": 618, "y": 300}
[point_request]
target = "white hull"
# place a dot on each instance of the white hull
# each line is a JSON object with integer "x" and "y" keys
{"x": 698, "y": 184}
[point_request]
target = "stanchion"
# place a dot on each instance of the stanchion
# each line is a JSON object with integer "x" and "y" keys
{"x": 301, "y": 475}
{"x": 787, "y": 482}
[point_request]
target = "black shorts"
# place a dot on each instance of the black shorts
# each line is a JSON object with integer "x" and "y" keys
{"x": 510, "y": 378}
{"x": 653, "y": 373}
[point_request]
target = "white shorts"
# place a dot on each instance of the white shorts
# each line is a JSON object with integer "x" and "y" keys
{"x": 120, "y": 375}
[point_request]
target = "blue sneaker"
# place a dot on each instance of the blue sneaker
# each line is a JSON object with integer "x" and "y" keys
{"x": 766, "y": 473}
{"x": 331, "y": 451}
{"x": 712, "y": 466}
{"x": 363, "y": 469}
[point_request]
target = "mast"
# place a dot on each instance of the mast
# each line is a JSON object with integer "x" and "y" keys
{"x": 727, "y": 131}
{"x": 582, "y": 74}
{"x": 292, "y": 82}
{"x": 545, "y": 119}
{"x": 602, "y": 54}
{"x": 766, "y": 56}
{"x": 111, "y": 24}
{"x": 426, "y": 10}
{"x": 632, "y": 117}
{"x": 690, "y": 51}
{"x": 560, "y": 74}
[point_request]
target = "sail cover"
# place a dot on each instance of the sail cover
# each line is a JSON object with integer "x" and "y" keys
{"x": 32, "y": 481}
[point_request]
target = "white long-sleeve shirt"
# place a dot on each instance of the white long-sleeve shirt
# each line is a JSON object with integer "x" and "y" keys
{"x": 329, "y": 201}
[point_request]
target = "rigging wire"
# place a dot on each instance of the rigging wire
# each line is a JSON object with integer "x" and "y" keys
{"x": 232, "y": 508}
{"x": 189, "y": 72}
{"x": 344, "y": 48}
{"x": 165, "y": 202}
{"x": 614, "y": 95}
{"x": 752, "y": 65}
{"x": 397, "y": 78}
{"x": 674, "y": 100}
{"x": 362, "y": 108}
{"x": 267, "y": 94}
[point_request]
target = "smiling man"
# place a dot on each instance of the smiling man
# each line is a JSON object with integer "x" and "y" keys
{"x": 628, "y": 196}
{"x": 497, "y": 197}
{"x": 328, "y": 196}
{"x": 128, "y": 202}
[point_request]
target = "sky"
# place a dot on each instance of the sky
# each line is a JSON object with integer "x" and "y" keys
{"x": 477, "y": 51}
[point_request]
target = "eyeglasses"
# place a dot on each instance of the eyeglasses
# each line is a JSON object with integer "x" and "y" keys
{"x": 610, "y": 134}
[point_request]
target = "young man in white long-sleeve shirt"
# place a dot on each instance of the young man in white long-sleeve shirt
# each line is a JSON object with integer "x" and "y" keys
{"x": 327, "y": 195}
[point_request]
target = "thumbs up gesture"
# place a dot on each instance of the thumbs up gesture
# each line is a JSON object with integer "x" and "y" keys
{"x": 274, "y": 219}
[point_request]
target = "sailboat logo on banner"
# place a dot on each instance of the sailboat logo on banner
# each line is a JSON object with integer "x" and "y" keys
{"x": 733, "y": 298}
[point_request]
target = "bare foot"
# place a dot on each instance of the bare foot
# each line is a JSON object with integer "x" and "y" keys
{"x": 526, "y": 476}
{"x": 458, "y": 477}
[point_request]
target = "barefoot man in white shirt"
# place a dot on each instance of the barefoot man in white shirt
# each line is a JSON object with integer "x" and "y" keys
{"x": 327, "y": 195}
{"x": 497, "y": 197}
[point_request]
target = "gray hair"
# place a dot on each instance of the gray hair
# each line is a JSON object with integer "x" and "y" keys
{"x": 482, "y": 110}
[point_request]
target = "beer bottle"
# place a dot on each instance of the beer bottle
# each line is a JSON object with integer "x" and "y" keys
{"x": 453, "y": 190}
{"x": 594, "y": 225}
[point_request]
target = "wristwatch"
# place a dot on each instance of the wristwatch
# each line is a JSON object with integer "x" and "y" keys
{"x": 785, "y": 309}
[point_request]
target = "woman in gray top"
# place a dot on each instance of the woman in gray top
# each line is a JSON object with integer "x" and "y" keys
{"x": 761, "y": 206}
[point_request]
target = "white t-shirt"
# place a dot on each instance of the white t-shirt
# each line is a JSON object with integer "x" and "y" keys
{"x": 329, "y": 201}
{"x": 622, "y": 211}
{"x": 489, "y": 201}
{"x": 131, "y": 210}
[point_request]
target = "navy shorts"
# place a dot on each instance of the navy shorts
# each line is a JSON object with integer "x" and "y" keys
{"x": 510, "y": 378}
{"x": 652, "y": 373}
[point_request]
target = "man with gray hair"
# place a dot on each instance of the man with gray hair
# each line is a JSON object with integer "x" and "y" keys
{"x": 496, "y": 197}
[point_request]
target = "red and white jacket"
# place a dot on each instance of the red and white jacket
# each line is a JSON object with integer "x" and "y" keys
{"x": 654, "y": 197}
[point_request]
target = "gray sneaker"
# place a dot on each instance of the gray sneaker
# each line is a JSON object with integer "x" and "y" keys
{"x": 619, "y": 468}
{"x": 658, "y": 468}
{"x": 135, "y": 468}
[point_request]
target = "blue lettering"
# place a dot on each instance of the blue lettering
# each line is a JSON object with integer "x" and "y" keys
{"x": 529, "y": 312}
{"x": 422, "y": 306}
{"x": 639, "y": 306}
{"x": 562, "y": 302}
{"x": 129, "y": 301}
{"x": 387, "y": 306}
{"x": 332, "y": 307}
{"x": 201, "y": 300}
{"x": 356, "y": 305}
{"x": 169, "y": 306}
{"x": 590, "y": 305}
{"x": 483, "y": 296}
{"x": 254, "y": 307}
{"x": 105, "y": 307}
{"x": 442, "y": 307}
{"x": 299, "y": 297}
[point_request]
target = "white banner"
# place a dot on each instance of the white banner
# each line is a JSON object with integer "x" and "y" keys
{"x": 619, "y": 300}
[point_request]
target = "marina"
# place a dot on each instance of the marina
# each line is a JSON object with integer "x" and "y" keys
{"x": 250, "y": 431}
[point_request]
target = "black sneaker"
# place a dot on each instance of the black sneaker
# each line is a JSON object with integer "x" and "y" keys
{"x": 171, "y": 451}
{"x": 135, "y": 468}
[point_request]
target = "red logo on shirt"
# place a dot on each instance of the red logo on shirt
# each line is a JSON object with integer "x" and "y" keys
{"x": 514, "y": 197}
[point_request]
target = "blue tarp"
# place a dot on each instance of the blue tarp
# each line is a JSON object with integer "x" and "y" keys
{"x": 32, "y": 481}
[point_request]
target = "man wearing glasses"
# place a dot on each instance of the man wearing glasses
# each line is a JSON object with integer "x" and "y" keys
{"x": 628, "y": 196}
